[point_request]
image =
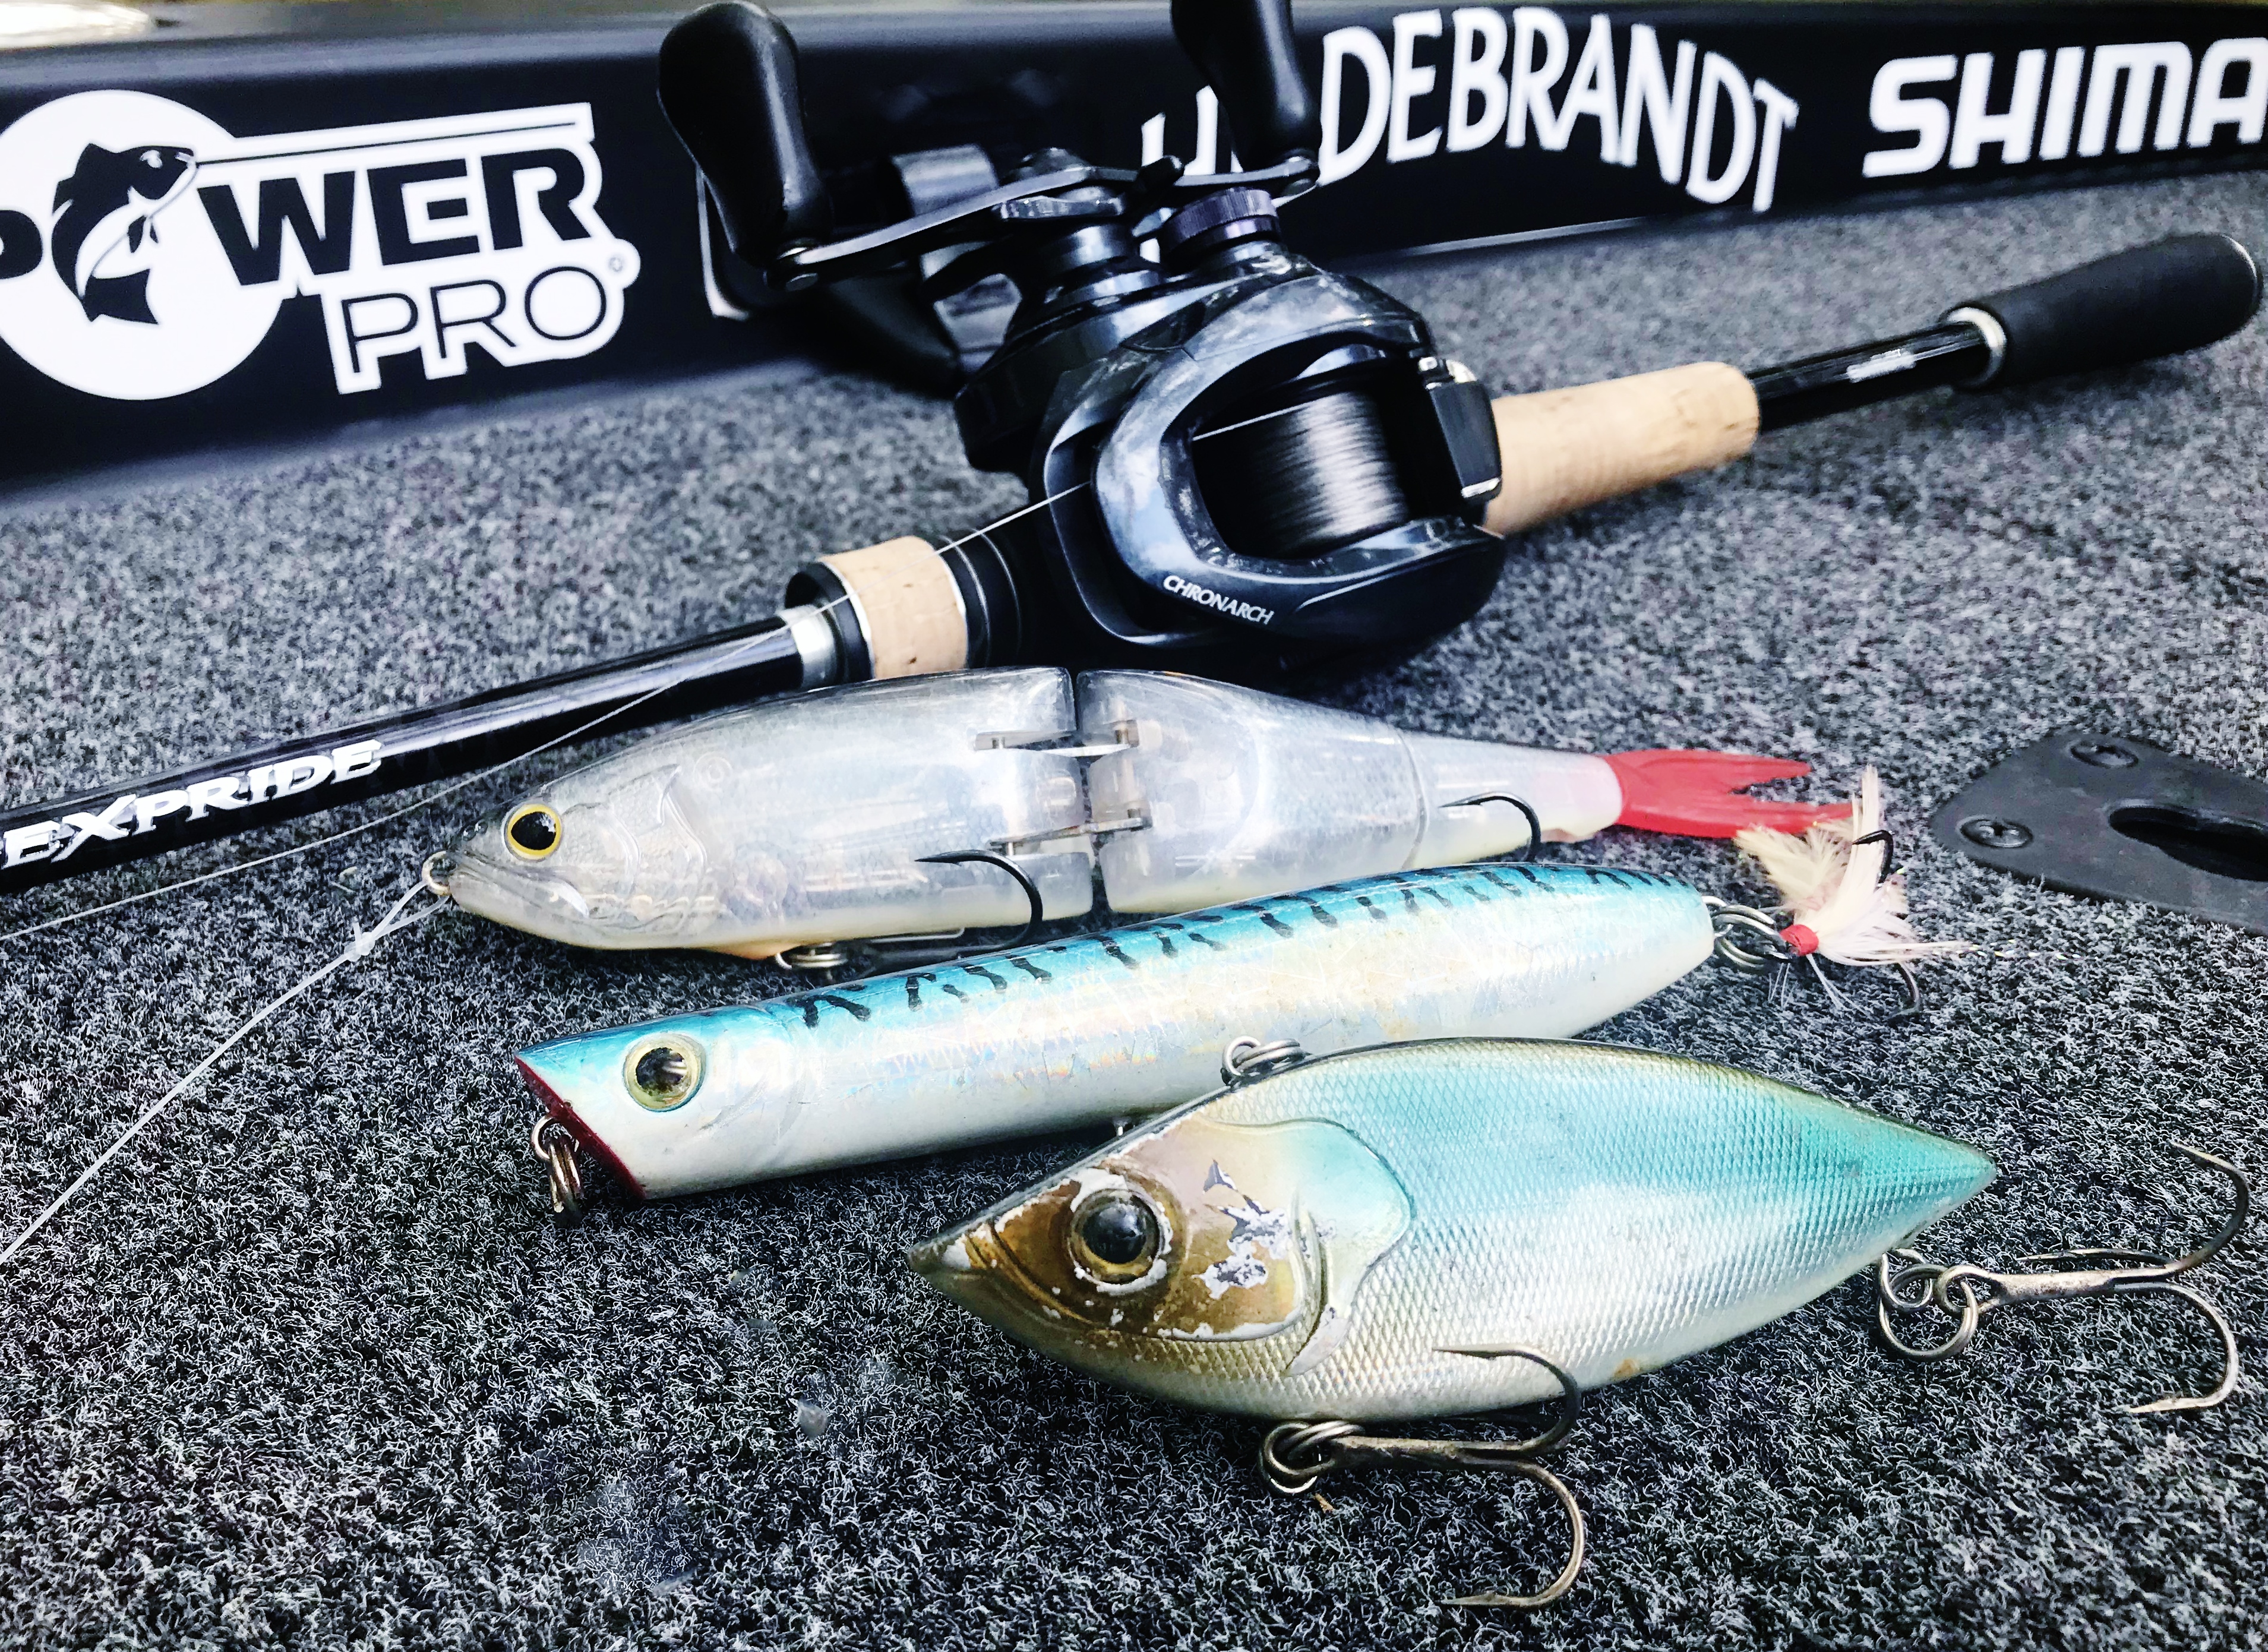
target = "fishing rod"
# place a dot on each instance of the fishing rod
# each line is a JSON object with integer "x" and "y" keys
{"x": 1239, "y": 464}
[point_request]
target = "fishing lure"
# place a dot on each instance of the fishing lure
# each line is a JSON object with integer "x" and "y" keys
{"x": 1092, "y": 1029}
{"x": 936, "y": 805}
{"x": 1444, "y": 1228}
{"x": 1083, "y": 1030}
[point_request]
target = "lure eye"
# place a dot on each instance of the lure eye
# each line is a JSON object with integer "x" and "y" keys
{"x": 533, "y": 830}
{"x": 1114, "y": 1237}
{"x": 663, "y": 1072}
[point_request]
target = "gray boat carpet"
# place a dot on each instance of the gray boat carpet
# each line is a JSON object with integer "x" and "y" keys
{"x": 312, "y": 1364}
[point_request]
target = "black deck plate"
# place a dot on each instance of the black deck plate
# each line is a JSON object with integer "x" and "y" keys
{"x": 2195, "y": 837}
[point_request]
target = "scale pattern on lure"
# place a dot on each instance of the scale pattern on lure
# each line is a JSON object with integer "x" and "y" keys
{"x": 1352, "y": 1238}
{"x": 1084, "y": 1030}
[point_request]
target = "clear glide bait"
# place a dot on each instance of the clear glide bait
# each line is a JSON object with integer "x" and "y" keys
{"x": 820, "y": 819}
{"x": 1440, "y": 1228}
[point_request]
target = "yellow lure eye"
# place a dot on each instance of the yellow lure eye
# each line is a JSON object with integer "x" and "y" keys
{"x": 662, "y": 1072}
{"x": 532, "y": 830}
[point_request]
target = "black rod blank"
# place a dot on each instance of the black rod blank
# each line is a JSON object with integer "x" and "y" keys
{"x": 41, "y": 842}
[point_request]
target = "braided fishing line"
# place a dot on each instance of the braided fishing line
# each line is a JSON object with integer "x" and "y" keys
{"x": 1300, "y": 482}
{"x": 361, "y": 947}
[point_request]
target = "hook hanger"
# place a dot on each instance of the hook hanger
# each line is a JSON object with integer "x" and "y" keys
{"x": 826, "y": 957}
{"x": 1906, "y": 1281}
{"x": 1296, "y": 1455}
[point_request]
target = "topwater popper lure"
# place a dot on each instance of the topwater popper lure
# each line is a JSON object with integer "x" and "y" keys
{"x": 1439, "y": 1229}
{"x": 926, "y": 806}
{"x": 1090, "y": 1029}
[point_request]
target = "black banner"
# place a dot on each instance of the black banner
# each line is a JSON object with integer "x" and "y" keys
{"x": 205, "y": 242}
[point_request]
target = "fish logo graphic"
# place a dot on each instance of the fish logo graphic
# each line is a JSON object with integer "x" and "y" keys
{"x": 115, "y": 196}
{"x": 146, "y": 251}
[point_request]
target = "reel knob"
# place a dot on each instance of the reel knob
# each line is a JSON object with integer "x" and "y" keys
{"x": 1244, "y": 47}
{"x": 731, "y": 88}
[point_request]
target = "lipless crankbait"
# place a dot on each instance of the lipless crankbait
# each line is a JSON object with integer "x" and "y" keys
{"x": 1085, "y": 1030}
{"x": 822, "y": 818}
{"x": 1439, "y": 1229}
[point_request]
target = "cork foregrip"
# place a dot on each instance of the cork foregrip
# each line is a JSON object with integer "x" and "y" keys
{"x": 1564, "y": 449}
{"x": 910, "y": 605}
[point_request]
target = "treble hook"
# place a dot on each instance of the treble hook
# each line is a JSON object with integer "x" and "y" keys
{"x": 1752, "y": 941}
{"x": 1980, "y": 1292}
{"x": 1295, "y": 1455}
{"x": 825, "y": 957}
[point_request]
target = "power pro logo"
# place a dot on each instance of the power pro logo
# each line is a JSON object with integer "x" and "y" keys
{"x": 145, "y": 252}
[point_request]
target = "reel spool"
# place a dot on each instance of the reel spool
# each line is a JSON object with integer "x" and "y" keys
{"x": 1241, "y": 463}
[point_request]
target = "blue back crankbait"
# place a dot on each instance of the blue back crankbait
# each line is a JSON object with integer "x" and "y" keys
{"x": 1349, "y": 1237}
{"x": 1085, "y": 1030}
{"x": 1444, "y": 1228}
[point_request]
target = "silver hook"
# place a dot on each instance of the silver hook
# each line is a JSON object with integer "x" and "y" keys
{"x": 1296, "y": 1455}
{"x": 1752, "y": 941}
{"x": 1907, "y": 1281}
{"x": 553, "y": 1144}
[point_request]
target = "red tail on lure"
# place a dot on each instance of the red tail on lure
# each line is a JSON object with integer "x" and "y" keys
{"x": 1704, "y": 794}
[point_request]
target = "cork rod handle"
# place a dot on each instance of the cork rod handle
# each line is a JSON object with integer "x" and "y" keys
{"x": 1565, "y": 449}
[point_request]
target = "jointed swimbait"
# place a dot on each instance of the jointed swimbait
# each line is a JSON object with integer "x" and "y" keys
{"x": 1081, "y": 1031}
{"x": 811, "y": 819}
{"x": 1354, "y": 1237}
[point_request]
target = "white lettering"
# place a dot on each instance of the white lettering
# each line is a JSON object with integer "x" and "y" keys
{"x": 1530, "y": 91}
{"x": 109, "y": 826}
{"x": 1665, "y": 104}
{"x": 1342, "y": 160}
{"x": 1590, "y": 92}
{"x": 2063, "y": 102}
{"x": 1207, "y": 156}
{"x": 1411, "y": 81}
{"x": 1973, "y": 129}
{"x": 352, "y": 763}
{"x": 2248, "y": 110}
{"x": 301, "y": 774}
{"x": 148, "y": 810}
{"x": 1720, "y": 81}
{"x": 1780, "y": 115}
{"x": 211, "y": 794}
{"x": 1892, "y": 112}
{"x": 1191, "y": 591}
{"x": 35, "y": 842}
{"x": 2139, "y": 66}
{"x": 1476, "y": 69}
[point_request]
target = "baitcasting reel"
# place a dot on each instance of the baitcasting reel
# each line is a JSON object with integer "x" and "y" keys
{"x": 1238, "y": 462}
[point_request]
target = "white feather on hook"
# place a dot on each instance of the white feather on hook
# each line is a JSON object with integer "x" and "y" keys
{"x": 1838, "y": 892}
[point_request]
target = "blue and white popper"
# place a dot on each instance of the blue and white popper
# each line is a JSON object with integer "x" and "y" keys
{"x": 1090, "y": 1029}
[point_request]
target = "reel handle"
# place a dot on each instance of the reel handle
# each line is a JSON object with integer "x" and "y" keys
{"x": 2178, "y": 294}
{"x": 731, "y": 88}
{"x": 1245, "y": 49}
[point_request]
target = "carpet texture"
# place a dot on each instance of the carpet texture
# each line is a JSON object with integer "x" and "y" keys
{"x": 311, "y": 1363}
